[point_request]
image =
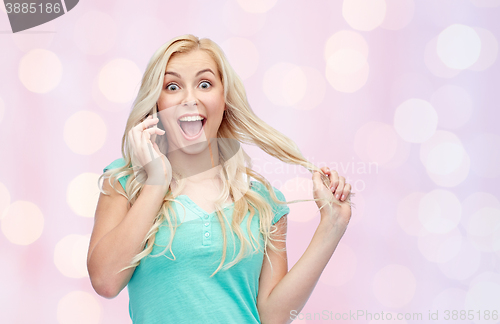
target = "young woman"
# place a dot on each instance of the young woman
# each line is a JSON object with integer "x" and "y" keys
{"x": 187, "y": 230}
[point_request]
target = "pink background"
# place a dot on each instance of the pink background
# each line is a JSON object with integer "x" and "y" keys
{"x": 399, "y": 96}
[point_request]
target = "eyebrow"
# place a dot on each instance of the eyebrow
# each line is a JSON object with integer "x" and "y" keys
{"x": 200, "y": 72}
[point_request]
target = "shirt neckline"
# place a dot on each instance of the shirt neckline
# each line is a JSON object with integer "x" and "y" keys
{"x": 198, "y": 209}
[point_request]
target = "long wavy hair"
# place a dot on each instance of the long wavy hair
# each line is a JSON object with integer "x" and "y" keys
{"x": 240, "y": 124}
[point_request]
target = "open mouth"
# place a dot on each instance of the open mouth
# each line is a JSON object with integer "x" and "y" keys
{"x": 191, "y": 126}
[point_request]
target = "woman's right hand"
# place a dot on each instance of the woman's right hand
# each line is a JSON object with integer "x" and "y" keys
{"x": 150, "y": 166}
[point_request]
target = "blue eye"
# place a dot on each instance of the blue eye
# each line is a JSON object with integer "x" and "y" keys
{"x": 172, "y": 87}
{"x": 205, "y": 84}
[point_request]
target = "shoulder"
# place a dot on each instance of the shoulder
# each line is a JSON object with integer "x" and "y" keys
{"x": 262, "y": 190}
{"x": 118, "y": 163}
{"x": 278, "y": 209}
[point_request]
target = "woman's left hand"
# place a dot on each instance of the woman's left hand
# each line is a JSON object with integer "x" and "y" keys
{"x": 339, "y": 191}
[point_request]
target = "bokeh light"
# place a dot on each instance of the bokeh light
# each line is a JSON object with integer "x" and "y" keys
{"x": 315, "y": 89}
{"x": 40, "y": 70}
{"x": 458, "y": 46}
{"x": 257, "y": 6}
{"x": 82, "y": 194}
{"x": 348, "y": 83}
{"x": 484, "y": 296}
{"x": 77, "y": 133}
{"x": 464, "y": 264}
{"x": 364, "y": 14}
{"x": 39, "y": 37}
{"x": 379, "y": 143}
{"x": 439, "y": 137}
{"x": 345, "y": 39}
{"x": 450, "y": 298}
{"x": 300, "y": 188}
{"x": 394, "y": 285}
{"x": 445, "y": 159}
{"x": 241, "y": 22}
{"x": 348, "y": 71}
{"x": 439, "y": 211}
{"x": 4, "y": 199}
{"x": 22, "y": 222}
{"x": 487, "y": 275}
{"x": 484, "y": 149}
{"x": 346, "y": 61}
{"x": 70, "y": 255}
{"x": 415, "y": 120}
{"x": 453, "y": 105}
{"x": 273, "y": 81}
{"x": 454, "y": 178}
{"x": 434, "y": 63}
{"x": 144, "y": 31}
{"x": 243, "y": 56}
{"x": 407, "y": 214}
{"x": 476, "y": 201}
{"x": 483, "y": 229}
{"x": 285, "y": 84}
{"x": 398, "y": 14}
{"x": 410, "y": 85}
{"x": 119, "y": 80}
{"x": 79, "y": 307}
{"x": 489, "y": 50}
{"x": 346, "y": 55}
{"x": 294, "y": 85}
{"x": 341, "y": 268}
{"x": 383, "y": 144}
{"x": 359, "y": 212}
{"x": 440, "y": 248}
{"x": 94, "y": 33}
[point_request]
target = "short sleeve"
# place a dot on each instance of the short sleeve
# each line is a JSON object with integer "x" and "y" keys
{"x": 118, "y": 163}
{"x": 278, "y": 210}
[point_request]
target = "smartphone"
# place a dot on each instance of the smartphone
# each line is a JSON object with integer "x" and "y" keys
{"x": 155, "y": 114}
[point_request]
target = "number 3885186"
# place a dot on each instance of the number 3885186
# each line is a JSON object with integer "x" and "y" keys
{"x": 25, "y": 7}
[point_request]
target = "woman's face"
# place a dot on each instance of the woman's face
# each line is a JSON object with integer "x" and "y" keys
{"x": 191, "y": 103}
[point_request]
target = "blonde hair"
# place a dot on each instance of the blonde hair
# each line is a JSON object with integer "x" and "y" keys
{"x": 240, "y": 124}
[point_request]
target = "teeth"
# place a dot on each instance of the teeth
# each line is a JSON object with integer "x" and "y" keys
{"x": 191, "y": 118}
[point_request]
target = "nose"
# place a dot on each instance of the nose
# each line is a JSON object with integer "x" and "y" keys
{"x": 190, "y": 99}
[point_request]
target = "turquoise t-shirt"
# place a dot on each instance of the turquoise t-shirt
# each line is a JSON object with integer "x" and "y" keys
{"x": 180, "y": 291}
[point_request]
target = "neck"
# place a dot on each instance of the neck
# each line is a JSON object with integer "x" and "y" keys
{"x": 200, "y": 166}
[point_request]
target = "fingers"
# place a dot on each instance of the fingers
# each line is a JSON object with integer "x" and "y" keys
{"x": 340, "y": 187}
{"x": 346, "y": 192}
{"x": 153, "y": 131}
{"x": 149, "y": 145}
{"x": 333, "y": 176}
{"x": 144, "y": 128}
{"x": 136, "y": 132}
{"x": 146, "y": 123}
{"x": 338, "y": 184}
{"x": 317, "y": 179}
{"x": 140, "y": 139}
{"x": 317, "y": 186}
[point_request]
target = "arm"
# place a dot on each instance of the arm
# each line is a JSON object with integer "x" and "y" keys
{"x": 290, "y": 291}
{"x": 117, "y": 236}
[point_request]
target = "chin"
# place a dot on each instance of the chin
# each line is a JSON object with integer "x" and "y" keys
{"x": 194, "y": 148}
